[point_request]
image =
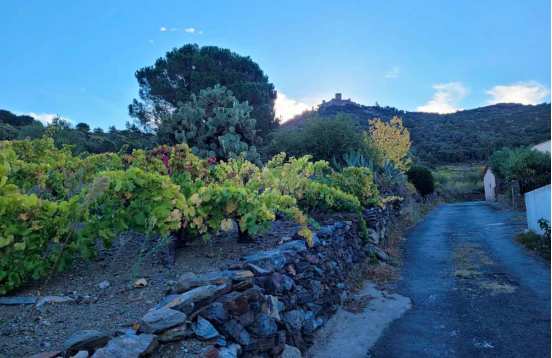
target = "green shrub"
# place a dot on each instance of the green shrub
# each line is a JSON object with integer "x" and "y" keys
{"x": 328, "y": 139}
{"x": 530, "y": 167}
{"x": 422, "y": 179}
{"x": 358, "y": 182}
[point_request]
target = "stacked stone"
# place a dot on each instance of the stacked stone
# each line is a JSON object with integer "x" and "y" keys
{"x": 269, "y": 304}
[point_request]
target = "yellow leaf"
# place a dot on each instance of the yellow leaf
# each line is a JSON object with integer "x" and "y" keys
{"x": 226, "y": 225}
{"x": 198, "y": 221}
{"x": 230, "y": 207}
{"x": 306, "y": 233}
{"x": 195, "y": 199}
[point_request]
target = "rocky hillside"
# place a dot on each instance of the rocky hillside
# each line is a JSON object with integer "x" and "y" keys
{"x": 468, "y": 135}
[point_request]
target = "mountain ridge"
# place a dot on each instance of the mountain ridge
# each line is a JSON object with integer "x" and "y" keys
{"x": 462, "y": 136}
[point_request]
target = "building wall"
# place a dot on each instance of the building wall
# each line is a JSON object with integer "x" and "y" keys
{"x": 543, "y": 147}
{"x": 537, "y": 203}
{"x": 489, "y": 183}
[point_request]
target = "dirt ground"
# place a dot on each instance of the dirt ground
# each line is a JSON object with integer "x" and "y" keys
{"x": 25, "y": 329}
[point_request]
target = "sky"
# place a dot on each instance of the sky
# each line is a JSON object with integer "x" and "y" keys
{"x": 77, "y": 59}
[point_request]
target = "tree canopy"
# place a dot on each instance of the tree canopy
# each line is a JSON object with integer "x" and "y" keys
{"x": 187, "y": 70}
{"x": 390, "y": 141}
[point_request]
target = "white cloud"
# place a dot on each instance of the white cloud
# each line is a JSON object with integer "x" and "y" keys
{"x": 287, "y": 108}
{"x": 521, "y": 92}
{"x": 394, "y": 72}
{"x": 189, "y": 30}
{"x": 46, "y": 118}
{"x": 445, "y": 99}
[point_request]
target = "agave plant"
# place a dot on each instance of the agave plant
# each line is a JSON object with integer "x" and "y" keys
{"x": 353, "y": 159}
{"x": 389, "y": 177}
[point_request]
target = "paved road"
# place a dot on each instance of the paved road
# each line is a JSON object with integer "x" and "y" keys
{"x": 475, "y": 292}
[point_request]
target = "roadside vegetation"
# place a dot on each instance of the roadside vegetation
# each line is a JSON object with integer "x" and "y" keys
{"x": 459, "y": 182}
{"x": 203, "y": 158}
{"x": 535, "y": 242}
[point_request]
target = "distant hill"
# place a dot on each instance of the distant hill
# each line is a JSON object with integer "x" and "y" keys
{"x": 468, "y": 135}
{"x": 80, "y": 136}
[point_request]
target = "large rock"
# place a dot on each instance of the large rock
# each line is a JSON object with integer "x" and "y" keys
{"x": 162, "y": 319}
{"x": 85, "y": 340}
{"x": 187, "y": 302}
{"x": 190, "y": 280}
{"x": 128, "y": 346}
{"x": 204, "y": 330}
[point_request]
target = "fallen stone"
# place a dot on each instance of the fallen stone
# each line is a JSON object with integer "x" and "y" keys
{"x": 204, "y": 330}
{"x": 247, "y": 319}
{"x": 273, "y": 260}
{"x": 140, "y": 283}
{"x": 215, "y": 312}
{"x": 377, "y": 252}
{"x": 235, "y": 303}
{"x": 176, "y": 334}
{"x": 311, "y": 323}
{"x": 232, "y": 351}
{"x": 18, "y": 300}
{"x": 128, "y": 346}
{"x": 85, "y": 340}
{"x": 264, "y": 326}
{"x": 237, "y": 332}
{"x": 188, "y": 301}
{"x": 257, "y": 269}
{"x": 165, "y": 300}
{"x": 53, "y": 299}
{"x": 274, "y": 306}
{"x": 294, "y": 246}
{"x": 191, "y": 280}
{"x": 291, "y": 352}
{"x": 294, "y": 320}
{"x": 104, "y": 284}
{"x": 162, "y": 319}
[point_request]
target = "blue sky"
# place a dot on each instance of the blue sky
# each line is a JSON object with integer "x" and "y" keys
{"x": 78, "y": 58}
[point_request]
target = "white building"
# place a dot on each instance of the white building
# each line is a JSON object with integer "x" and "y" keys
{"x": 489, "y": 183}
{"x": 542, "y": 147}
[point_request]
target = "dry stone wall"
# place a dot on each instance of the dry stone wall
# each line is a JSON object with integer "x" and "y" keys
{"x": 269, "y": 304}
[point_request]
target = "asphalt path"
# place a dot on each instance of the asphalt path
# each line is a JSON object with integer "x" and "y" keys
{"x": 475, "y": 291}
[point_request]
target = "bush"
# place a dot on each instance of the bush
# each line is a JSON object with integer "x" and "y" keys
{"x": 328, "y": 139}
{"x": 530, "y": 167}
{"x": 358, "y": 182}
{"x": 422, "y": 179}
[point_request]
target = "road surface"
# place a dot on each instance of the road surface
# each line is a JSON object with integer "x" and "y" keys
{"x": 475, "y": 292}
